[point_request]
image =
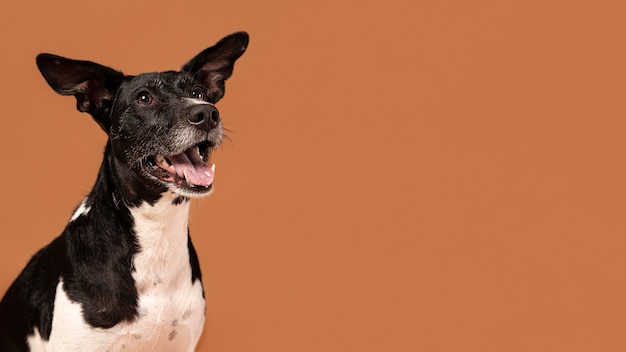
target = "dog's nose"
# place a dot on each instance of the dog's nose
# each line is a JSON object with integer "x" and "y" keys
{"x": 204, "y": 114}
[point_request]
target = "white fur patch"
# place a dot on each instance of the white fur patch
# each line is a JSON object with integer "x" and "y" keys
{"x": 81, "y": 210}
{"x": 171, "y": 307}
{"x": 194, "y": 101}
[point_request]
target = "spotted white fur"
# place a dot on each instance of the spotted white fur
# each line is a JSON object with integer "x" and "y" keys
{"x": 171, "y": 306}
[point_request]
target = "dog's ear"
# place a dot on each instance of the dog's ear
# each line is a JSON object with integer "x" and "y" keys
{"x": 92, "y": 84}
{"x": 214, "y": 65}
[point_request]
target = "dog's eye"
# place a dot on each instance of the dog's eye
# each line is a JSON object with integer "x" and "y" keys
{"x": 198, "y": 93}
{"x": 144, "y": 98}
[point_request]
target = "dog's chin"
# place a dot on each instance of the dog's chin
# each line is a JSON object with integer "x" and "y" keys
{"x": 186, "y": 172}
{"x": 192, "y": 192}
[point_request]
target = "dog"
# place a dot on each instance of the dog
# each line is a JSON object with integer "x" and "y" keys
{"x": 124, "y": 275}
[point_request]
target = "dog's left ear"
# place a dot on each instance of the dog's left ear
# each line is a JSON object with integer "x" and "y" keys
{"x": 215, "y": 65}
{"x": 92, "y": 84}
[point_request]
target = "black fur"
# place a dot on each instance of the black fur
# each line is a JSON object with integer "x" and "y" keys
{"x": 94, "y": 254}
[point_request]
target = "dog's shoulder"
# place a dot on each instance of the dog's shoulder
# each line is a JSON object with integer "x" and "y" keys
{"x": 29, "y": 302}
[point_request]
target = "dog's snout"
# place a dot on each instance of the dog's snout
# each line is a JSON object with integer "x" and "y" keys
{"x": 204, "y": 114}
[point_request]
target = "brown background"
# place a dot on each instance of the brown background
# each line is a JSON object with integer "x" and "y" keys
{"x": 402, "y": 176}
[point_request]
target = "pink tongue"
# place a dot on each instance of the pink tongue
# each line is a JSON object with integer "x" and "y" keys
{"x": 189, "y": 163}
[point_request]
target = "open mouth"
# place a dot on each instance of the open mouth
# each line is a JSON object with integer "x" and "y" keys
{"x": 188, "y": 169}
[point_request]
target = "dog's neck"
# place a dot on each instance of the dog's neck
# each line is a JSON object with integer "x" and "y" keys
{"x": 162, "y": 235}
{"x": 164, "y": 220}
{"x": 153, "y": 221}
{"x": 150, "y": 211}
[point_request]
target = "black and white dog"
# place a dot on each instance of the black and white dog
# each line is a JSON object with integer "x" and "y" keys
{"x": 124, "y": 275}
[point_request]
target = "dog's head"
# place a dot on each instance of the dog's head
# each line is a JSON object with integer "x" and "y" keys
{"x": 161, "y": 126}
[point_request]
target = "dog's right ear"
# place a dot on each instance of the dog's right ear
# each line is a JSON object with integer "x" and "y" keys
{"x": 92, "y": 84}
{"x": 214, "y": 65}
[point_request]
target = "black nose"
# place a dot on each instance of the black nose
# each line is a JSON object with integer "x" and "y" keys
{"x": 204, "y": 114}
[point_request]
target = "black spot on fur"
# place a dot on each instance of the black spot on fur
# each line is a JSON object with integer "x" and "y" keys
{"x": 180, "y": 200}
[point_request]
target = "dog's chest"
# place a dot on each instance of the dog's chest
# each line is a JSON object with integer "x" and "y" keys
{"x": 171, "y": 306}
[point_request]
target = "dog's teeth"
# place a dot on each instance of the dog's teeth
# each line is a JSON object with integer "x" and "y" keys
{"x": 213, "y": 168}
{"x": 185, "y": 174}
{"x": 198, "y": 150}
{"x": 164, "y": 162}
